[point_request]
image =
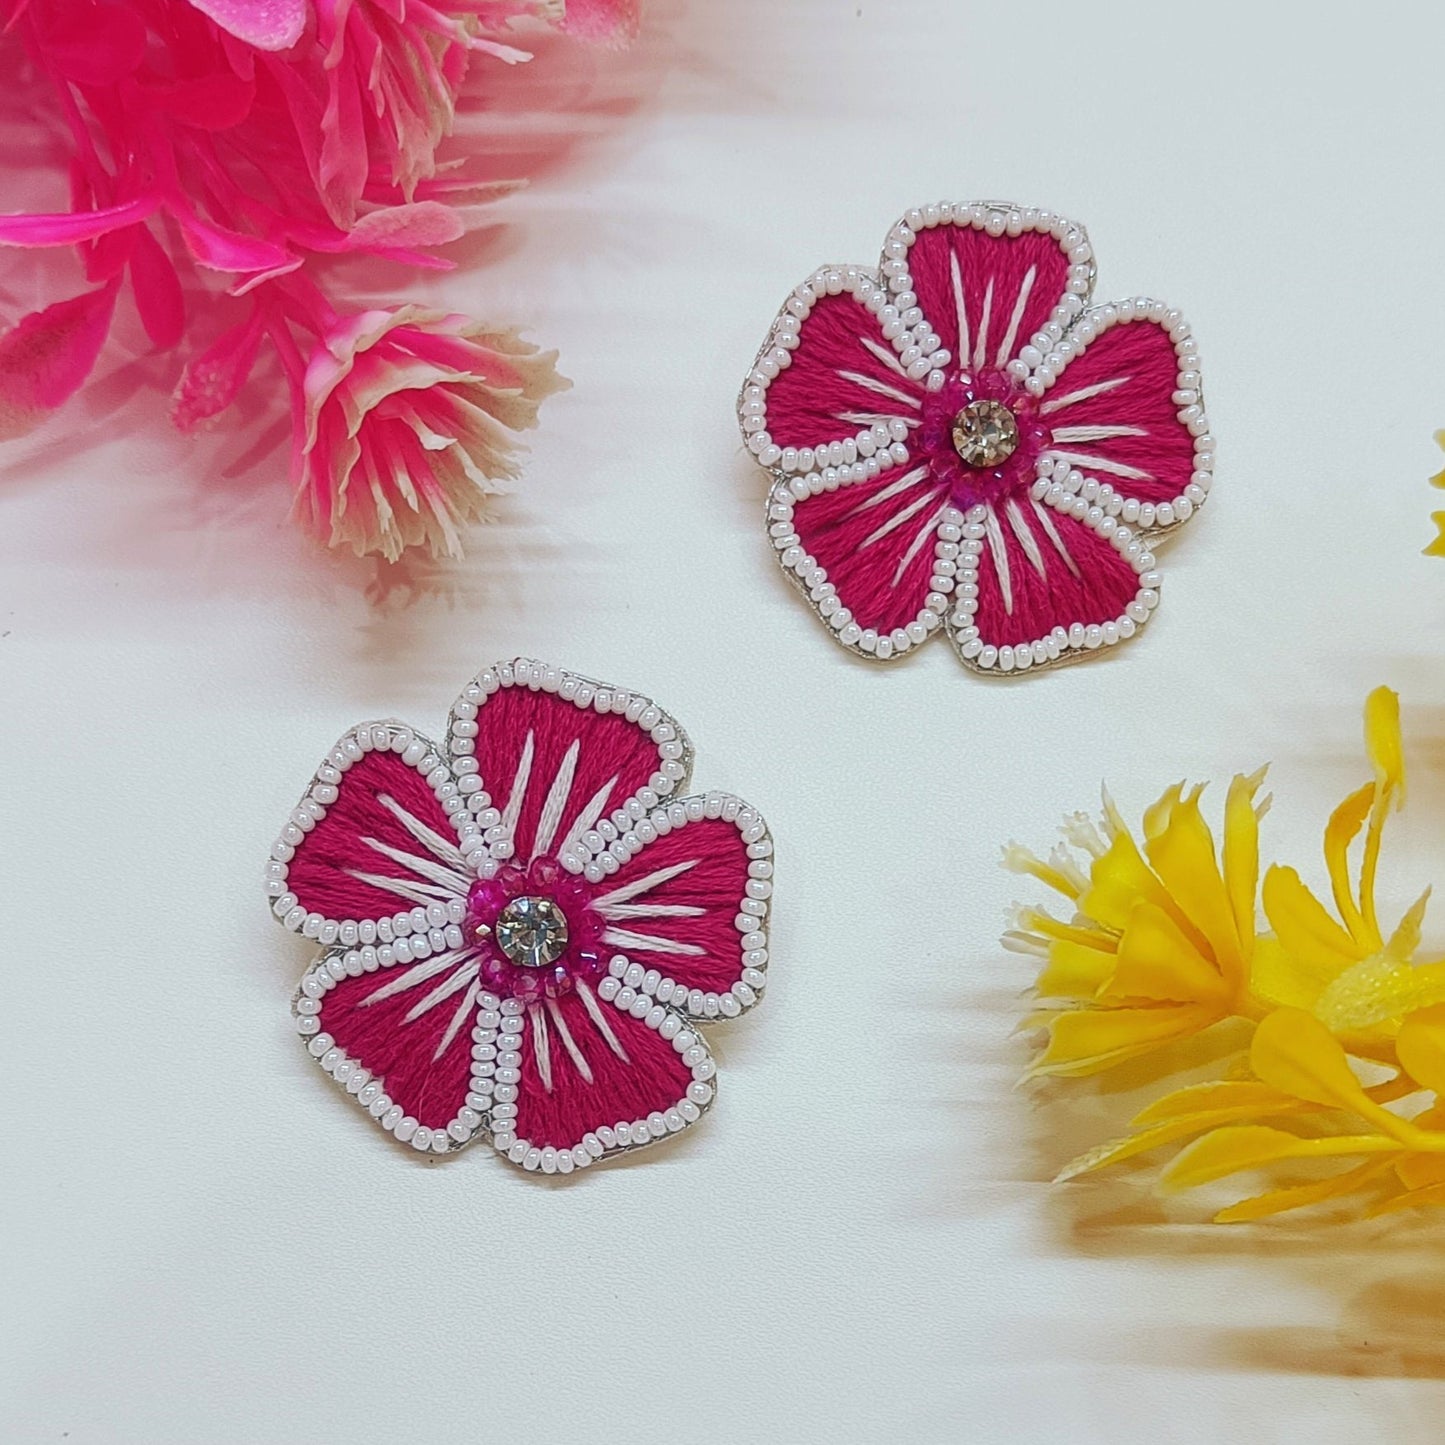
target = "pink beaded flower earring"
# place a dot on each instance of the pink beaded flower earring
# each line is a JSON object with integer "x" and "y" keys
{"x": 959, "y": 441}
{"x": 524, "y": 929}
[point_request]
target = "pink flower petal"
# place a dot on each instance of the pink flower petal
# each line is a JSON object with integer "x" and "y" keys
{"x": 682, "y": 893}
{"x": 382, "y": 800}
{"x": 222, "y": 249}
{"x": 1008, "y": 287}
{"x": 876, "y": 541}
{"x": 91, "y": 45}
{"x": 1040, "y": 570}
{"x": 211, "y": 380}
{"x": 604, "y": 22}
{"x": 422, "y": 1059}
{"x": 844, "y": 378}
{"x": 157, "y": 291}
{"x": 266, "y": 24}
{"x": 1113, "y": 415}
{"x": 554, "y": 768}
{"x": 46, "y": 356}
{"x": 72, "y": 227}
{"x": 631, "y": 1074}
{"x": 422, "y": 223}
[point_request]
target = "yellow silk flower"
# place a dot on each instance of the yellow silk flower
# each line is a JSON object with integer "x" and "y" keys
{"x": 1162, "y": 942}
{"x": 1437, "y": 547}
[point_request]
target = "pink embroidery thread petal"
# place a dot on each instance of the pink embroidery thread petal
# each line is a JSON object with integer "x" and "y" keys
{"x": 993, "y": 273}
{"x": 321, "y": 872}
{"x": 1096, "y": 589}
{"x": 401, "y": 1052}
{"x": 651, "y": 1079}
{"x": 876, "y": 541}
{"x": 553, "y": 751}
{"x": 818, "y": 398}
{"x": 695, "y": 910}
{"x": 1140, "y": 357}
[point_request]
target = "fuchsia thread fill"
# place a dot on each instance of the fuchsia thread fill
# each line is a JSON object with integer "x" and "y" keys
{"x": 401, "y": 1051}
{"x": 1103, "y": 585}
{"x": 517, "y": 723}
{"x": 1142, "y": 355}
{"x": 992, "y": 272}
{"x": 879, "y": 563}
{"x": 652, "y": 1079}
{"x": 813, "y": 400}
{"x": 320, "y": 873}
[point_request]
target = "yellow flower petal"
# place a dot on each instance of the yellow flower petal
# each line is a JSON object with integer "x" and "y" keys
{"x": 1156, "y": 960}
{"x": 1436, "y": 548}
{"x": 1382, "y": 739}
{"x": 1418, "y": 1171}
{"x": 1121, "y": 879}
{"x": 1295, "y": 1053}
{"x": 1297, "y": 1196}
{"x": 1241, "y": 856}
{"x": 1316, "y": 950}
{"x": 1420, "y": 1047}
{"x": 1413, "y": 1199}
{"x": 1253, "y": 1146}
{"x": 1018, "y": 859}
{"x": 1117, "y": 1150}
{"x": 1087, "y": 1041}
{"x": 1182, "y": 854}
{"x": 1228, "y": 1094}
{"x": 1345, "y": 822}
{"x": 1073, "y": 971}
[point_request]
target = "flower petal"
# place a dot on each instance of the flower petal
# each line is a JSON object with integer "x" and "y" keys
{"x": 398, "y": 1036}
{"x": 986, "y": 288}
{"x": 46, "y": 356}
{"x": 371, "y": 850}
{"x": 1253, "y": 1146}
{"x": 1087, "y": 1041}
{"x": 1312, "y": 948}
{"x": 1420, "y": 1047}
{"x": 266, "y": 24}
{"x": 548, "y": 758}
{"x": 1157, "y": 960}
{"x": 1036, "y": 585}
{"x": 1294, "y": 1052}
{"x": 865, "y": 554}
{"x": 595, "y": 1079}
{"x": 689, "y": 909}
{"x": 830, "y": 386}
{"x": 1125, "y": 411}
{"x": 70, "y": 228}
{"x": 1298, "y": 1196}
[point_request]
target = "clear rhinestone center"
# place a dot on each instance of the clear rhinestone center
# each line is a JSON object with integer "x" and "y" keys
{"x": 532, "y": 932}
{"x": 985, "y": 433}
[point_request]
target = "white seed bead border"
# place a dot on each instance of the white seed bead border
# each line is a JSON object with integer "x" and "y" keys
{"x": 367, "y": 1089}
{"x": 1072, "y": 326}
{"x": 432, "y": 765}
{"x": 1062, "y": 644}
{"x": 750, "y": 921}
{"x": 485, "y": 843}
{"x": 497, "y": 1082}
{"x": 811, "y": 579}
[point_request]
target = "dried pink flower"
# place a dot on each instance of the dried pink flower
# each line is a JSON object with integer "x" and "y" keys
{"x": 246, "y": 142}
{"x": 409, "y": 415}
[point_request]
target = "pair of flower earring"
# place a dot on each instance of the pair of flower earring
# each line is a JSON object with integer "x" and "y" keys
{"x": 526, "y": 928}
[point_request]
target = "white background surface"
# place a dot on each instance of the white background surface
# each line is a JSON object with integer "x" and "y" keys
{"x": 203, "y": 1242}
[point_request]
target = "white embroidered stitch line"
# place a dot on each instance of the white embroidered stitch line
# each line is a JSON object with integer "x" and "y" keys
{"x": 523, "y": 775}
{"x": 579, "y": 1060}
{"x": 643, "y": 885}
{"x": 880, "y": 388}
{"x": 1047, "y": 522}
{"x": 1006, "y": 346}
{"x": 444, "y": 852}
{"x": 1096, "y": 433}
{"x": 589, "y": 1002}
{"x": 443, "y": 991}
{"x": 626, "y": 939}
{"x": 448, "y": 880}
{"x": 926, "y": 534}
{"x": 556, "y": 799}
{"x": 888, "y": 358}
{"x": 458, "y": 1019}
{"x": 999, "y": 551}
{"x": 896, "y": 520}
{"x": 980, "y": 345}
{"x": 1084, "y": 393}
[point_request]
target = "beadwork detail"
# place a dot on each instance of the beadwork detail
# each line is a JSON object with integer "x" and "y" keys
{"x": 550, "y": 1006}
{"x": 960, "y": 442}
